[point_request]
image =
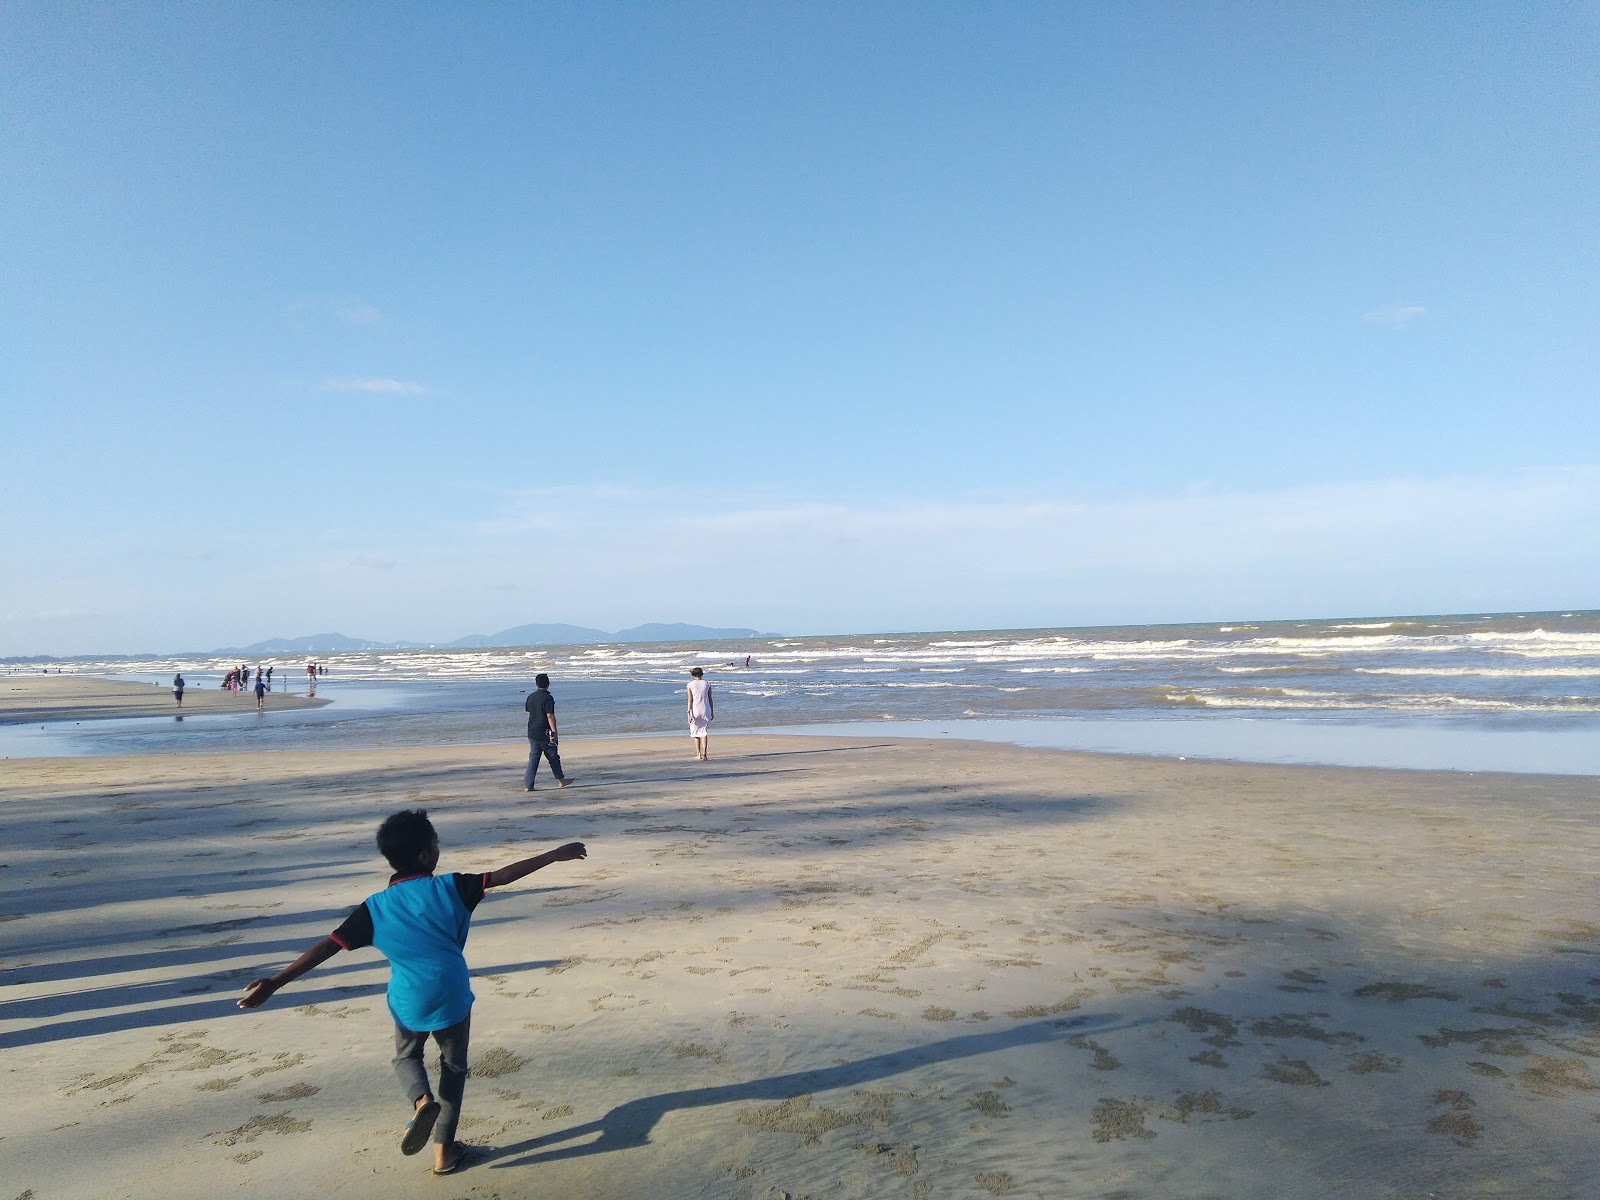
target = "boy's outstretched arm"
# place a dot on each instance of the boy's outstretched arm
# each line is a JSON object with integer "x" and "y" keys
{"x": 528, "y": 866}
{"x": 257, "y": 993}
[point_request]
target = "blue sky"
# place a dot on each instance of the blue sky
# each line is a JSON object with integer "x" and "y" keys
{"x": 413, "y": 321}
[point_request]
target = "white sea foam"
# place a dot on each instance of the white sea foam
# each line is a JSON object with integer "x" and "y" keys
{"x": 1349, "y": 702}
{"x": 1275, "y": 668}
{"x": 1486, "y": 672}
{"x": 1539, "y": 643}
{"x": 1491, "y": 669}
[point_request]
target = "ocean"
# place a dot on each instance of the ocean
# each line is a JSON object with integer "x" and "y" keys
{"x": 1473, "y": 692}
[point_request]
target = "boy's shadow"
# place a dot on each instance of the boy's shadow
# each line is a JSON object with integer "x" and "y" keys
{"x": 630, "y": 1124}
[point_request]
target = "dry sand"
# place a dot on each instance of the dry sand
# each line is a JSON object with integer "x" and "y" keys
{"x": 816, "y": 967}
{"x": 26, "y": 699}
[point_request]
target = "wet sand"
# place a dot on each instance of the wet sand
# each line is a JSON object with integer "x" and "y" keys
{"x": 33, "y": 699}
{"x": 816, "y": 967}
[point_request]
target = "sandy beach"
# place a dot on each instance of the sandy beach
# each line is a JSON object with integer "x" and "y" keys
{"x": 815, "y": 967}
{"x": 42, "y": 698}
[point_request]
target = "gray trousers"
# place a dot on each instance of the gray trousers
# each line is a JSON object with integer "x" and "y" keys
{"x": 408, "y": 1065}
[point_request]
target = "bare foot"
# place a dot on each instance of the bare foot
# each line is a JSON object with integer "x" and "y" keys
{"x": 446, "y": 1158}
{"x": 566, "y": 781}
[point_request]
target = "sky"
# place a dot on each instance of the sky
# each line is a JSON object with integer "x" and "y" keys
{"x": 411, "y": 321}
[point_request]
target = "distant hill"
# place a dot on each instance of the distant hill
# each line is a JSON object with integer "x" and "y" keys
{"x": 520, "y": 635}
{"x": 579, "y": 635}
{"x": 316, "y": 643}
{"x": 534, "y": 635}
{"x": 681, "y": 633}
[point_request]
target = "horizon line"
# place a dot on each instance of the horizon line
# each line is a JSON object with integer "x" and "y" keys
{"x": 406, "y": 644}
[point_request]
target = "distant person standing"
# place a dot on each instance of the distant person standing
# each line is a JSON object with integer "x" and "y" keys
{"x": 701, "y": 714}
{"x": 542, "y": 736}
{"x": 177, "y": 688}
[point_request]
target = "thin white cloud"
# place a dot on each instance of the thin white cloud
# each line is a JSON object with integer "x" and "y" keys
{"x": 48, "y": 614}
{"x": 354, "y": 311}
{"x": 377, "y": 386}
{"x": 1395, "y": 316}
{"x": 374, "y": 562}
{"x": 1396, "y": 545}
{"x": 526, "y": 509}
{"x": 347, "y": 310}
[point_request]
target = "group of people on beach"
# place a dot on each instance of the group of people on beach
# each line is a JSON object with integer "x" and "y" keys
{"x": 236, "y": 680}
{"x": 420, "y": 923}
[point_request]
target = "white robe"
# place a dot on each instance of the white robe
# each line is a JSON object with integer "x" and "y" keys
{"x": 700, "y": 713}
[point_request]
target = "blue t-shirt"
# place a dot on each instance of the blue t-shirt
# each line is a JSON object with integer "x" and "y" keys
{"x": 420, "y": 924}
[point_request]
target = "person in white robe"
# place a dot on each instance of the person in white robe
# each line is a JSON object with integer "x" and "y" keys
{"x": 701, "y": 714}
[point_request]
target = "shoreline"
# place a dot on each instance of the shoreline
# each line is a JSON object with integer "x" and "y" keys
{"x": 818, "y": 965}
{"x": 38, "y": 715}
{"x": 800, "y": 733}
{"x": 46, "y": 699}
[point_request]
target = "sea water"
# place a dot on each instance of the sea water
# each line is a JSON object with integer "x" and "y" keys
{"x": 1476, "y": 692}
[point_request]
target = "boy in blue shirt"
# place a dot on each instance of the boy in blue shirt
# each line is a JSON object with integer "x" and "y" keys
{"x": 420, "y": 924}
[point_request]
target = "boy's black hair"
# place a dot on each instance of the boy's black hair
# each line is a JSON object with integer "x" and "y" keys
{"x": 541, "y": 680}
{"x": 405, "y": 839}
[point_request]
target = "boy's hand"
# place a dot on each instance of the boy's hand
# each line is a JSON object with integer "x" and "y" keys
{"x": 538, "y": 862}
{"x": 257, "y": 993}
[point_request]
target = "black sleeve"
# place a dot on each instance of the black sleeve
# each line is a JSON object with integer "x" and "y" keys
{"x": 356, "y": 931}
{"x": 469, "y": 888}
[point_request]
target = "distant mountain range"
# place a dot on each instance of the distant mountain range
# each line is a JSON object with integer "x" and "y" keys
{"x": 521, "y": 635}
{"x": 578, "y": 635}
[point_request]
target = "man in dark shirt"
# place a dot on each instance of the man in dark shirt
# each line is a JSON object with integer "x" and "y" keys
{"x": 541, "y": 706}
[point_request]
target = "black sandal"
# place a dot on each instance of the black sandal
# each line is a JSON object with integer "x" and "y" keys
{"x": 420, "y": 1129}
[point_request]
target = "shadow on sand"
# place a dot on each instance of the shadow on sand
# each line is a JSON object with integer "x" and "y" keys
{"x": 630, "y": 1124}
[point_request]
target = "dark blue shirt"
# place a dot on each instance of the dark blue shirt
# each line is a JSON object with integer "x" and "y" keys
{"x": 540, "y": 705}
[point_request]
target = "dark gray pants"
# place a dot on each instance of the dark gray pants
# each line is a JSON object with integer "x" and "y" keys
{"x": 408, "y": 1065}
{"x": 537, "y": 750}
